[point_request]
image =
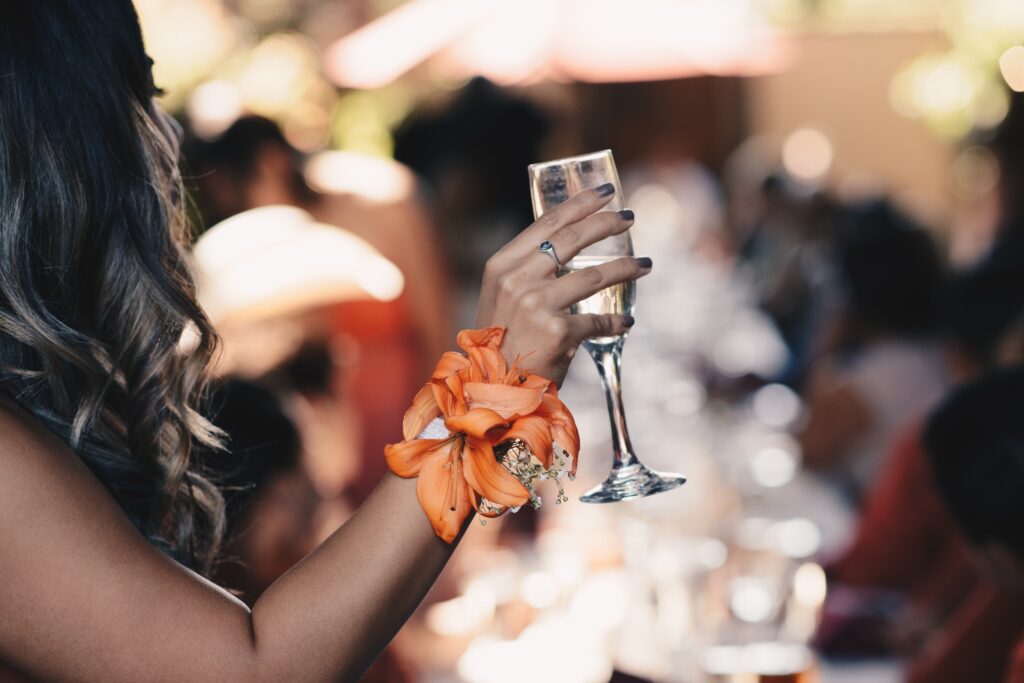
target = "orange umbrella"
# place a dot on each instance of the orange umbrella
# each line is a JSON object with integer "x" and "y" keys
{"x": 527, "y": 41}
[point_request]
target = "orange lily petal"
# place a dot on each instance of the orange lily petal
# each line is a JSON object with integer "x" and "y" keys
{"x": 491, "y": 361}
{"x": 406, "y": 459}
{"x": 424, "y": 408}
{"x": 445, "y": 496}
{"x": 475, "y": 373}
{"x": 514, "y": 374}
{"x": 488, "y": 336}
{"x": 478, "y": 423}
{"x": 449, "y": 396}
{"x": 536, "y": 381}
{"x": 482, "y": 346}
{"x": 517, "y": 375}
{"x": 507, "y": 401}
{"x": 449, "y": 364}
{"x": 534, "y": 431}
{"x": 488, "y": 477}
{"x": 563, "y": 427}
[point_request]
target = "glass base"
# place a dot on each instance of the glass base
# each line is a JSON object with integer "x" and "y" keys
{"x": 635, "y": 481}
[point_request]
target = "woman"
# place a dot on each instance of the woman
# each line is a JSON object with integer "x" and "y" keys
{"x": 99, "y": 417}
{"x": 884, "y": 367}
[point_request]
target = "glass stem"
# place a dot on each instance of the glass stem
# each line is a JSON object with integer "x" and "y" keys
{"x": 608, "y": 358}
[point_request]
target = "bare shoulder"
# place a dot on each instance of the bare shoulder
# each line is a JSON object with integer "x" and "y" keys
{"x": 27, "y": 448}
{"x": 37, "y": 464}
{"x": 49, "y": 499}
{"x": 83, "y": 594}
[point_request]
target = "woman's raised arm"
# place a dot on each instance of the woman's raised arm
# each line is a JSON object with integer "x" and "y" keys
{"x": 85, "y": 597}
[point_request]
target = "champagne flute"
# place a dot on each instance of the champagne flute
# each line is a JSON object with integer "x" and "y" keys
{"x": 551, "y": 183}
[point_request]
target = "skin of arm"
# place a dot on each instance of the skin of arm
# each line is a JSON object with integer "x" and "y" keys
{"x": 85, "y": 597}
{"x": 94, "y": 596}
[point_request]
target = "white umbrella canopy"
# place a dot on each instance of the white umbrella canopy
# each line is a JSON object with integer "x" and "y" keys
{"x": 525, "y": 41}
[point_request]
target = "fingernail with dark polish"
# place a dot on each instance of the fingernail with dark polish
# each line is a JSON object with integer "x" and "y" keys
{"x": 644, "y": 262}
{"x": 604, "y": 190}
{"x": 628, "y": 321}
{"x": 626, "y": 214}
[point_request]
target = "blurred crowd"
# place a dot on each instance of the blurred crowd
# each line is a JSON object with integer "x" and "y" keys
{"x": 906, "y": 365}
{"x": 907, "y": 368}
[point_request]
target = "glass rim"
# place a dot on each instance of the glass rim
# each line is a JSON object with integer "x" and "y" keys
{"x": 565, "y": 160}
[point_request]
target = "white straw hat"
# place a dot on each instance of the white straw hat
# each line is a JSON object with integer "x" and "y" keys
{"x": 277, "y": 259}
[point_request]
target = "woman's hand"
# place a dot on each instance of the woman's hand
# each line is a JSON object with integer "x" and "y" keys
{"x": 521, "y": 289}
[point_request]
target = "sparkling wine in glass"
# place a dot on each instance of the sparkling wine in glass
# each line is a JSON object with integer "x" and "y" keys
{"x": 551, "y": 183}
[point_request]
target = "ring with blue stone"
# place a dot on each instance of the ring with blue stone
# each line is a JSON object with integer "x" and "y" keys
{"x": 547, "y": 248}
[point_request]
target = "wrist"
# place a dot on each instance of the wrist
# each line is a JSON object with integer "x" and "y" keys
{"x": 475, "y": 410}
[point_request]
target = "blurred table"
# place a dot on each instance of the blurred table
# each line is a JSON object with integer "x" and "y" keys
{"x": 704, "y": 583}
{"x": 884, "y": 671}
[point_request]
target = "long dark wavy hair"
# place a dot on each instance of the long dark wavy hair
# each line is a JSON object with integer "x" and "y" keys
{"x": 101, "y": 338}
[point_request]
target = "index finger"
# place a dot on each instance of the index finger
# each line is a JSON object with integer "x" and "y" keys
{"x": 576, "y": 208}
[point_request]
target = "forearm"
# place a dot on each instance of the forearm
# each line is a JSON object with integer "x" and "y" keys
{"x": 331, "y": 615}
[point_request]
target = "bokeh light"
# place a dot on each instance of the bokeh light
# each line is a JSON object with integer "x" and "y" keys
{"x": 213, "y": 107}
{"x": 773, "y": 467}
{"x": 807, "y": 155}
{"x": 1011, "y": 64}
{"x": 540, "y": 589}
{"x": 753, "y": 599}
{"x": 462, "y": 615}
{"x": 776, "y": 405}
{"x": 371, "y": 178}
{"x": 810, "y": 585}
{"x": 975, "y": 171}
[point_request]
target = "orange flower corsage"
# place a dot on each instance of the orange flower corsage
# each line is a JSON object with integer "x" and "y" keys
{"x": 506, "y": 429}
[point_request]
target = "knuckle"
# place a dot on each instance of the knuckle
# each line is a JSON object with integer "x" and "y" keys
{"x": 621, "y": 270}
{"x": 558, "y": 328}
{"x": 612, "y": 223}
{"x": 507, "y": 284}
{"x": 548, "y": 220}
{"x": 570, "y": 234}
{"x": 493, "y": 265}
{"x": 592, "y": 276}
{"x": 629, "y": 267}
{"x": 531, "y": 301}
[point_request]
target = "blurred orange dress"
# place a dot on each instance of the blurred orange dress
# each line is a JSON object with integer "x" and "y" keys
{"x": 907, "y": 540}
{"x": 1015, "y": 674}
{"x": 386, "y": 374}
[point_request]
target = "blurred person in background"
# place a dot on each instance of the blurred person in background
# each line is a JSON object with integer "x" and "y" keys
{"x": 788, "y": 250}
{"x": 906, "y": 540}
{"x": 277, "y": 509}
{"x": 473, "y": 151}
{"x": 251, "y": 165}
{"x": 266, "y": 493}
{"x": 387, "y": 346}
{"x": 1008, "y": 145}
{"x": 107, "y": 523}
{"x": 884, "y": 366}
{"x": 975, "y": 443}
{"x": 274, "y": 515}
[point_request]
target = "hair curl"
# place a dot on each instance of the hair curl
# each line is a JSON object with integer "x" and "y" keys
{"x": 95, "y": 290}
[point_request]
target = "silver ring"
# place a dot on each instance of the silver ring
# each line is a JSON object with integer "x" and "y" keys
{"x": 549, "y": 249}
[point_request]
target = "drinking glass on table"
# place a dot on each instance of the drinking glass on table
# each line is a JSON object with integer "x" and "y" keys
{"x": 552, "y": 183}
